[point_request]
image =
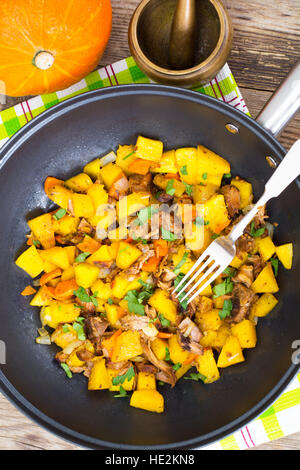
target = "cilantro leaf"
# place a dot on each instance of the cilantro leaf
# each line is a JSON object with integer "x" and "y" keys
{"x": 66, "y": 368}
{"x": 145, "y": 214}
{"x": 183, "y": 170}
{"x": 129, "y": 155}
{"x": 256, "y": 233}
{"x": 227, "y": 309}
{"x": 65, "y": 328}
{"x": 82, "y": 257}
{"x": 196, "y": 377}
{"x": 168, "y": 358}
{"x": 199, "y": 222}
{"x": 204, "y": 176}
{"x": 120, "y": 379}
{"x": 181, "y": 263}
{"x": 165, "y": 323}
{"x": 82, "y": 295}
{"x": 122, "y": 393}
{"x": 176, "y": 366}
{"x": 80, "y": 331}
{"x": 170, "y": 190}
{"x": 134, "y": 303}
{"x": 188, "y": 188}
{"x": 36, "y": 243}
{"x": 59, "y": 214}
{"x": 224, "y": 288}
{"x": 110, "y": 301}
{"x": 167, "y": 235}
{"x": 275, "y": 265}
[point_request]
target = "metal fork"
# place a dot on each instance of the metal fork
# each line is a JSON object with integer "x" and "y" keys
{"x": 221, "y": 252}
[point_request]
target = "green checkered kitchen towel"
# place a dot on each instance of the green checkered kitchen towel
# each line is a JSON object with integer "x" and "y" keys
{"x": 283, "y": 418}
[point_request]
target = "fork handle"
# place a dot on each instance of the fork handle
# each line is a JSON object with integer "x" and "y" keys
{"x": 285, "y": 174}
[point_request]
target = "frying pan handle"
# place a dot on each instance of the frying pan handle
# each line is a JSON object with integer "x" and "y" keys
{"x": 283, "y": 105}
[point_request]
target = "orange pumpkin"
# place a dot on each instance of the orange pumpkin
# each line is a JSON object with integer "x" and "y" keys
{"x": 48, "y": 45}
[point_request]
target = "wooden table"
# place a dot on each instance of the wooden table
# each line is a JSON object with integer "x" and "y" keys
{"x": 266, "y": 45}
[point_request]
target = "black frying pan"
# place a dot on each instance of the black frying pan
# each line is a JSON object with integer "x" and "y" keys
{"x": 59, "y": 143}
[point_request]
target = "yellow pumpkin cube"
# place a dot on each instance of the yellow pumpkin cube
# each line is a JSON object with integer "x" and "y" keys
{"x": 110, "y": 173}
{"x": 146, "y": 381}
{"x": 57, "y": 256}
{"x": 59, "y": 312}
{"x": 246, "y": 191}
{"x": 60, "y": 195}
{"x": 79, "y": 183}
{"x": 31, "y": 262}
{"x": 159, "y": 347}
{"x": 114, "y": 313}
{"x": 206, "y": 366}
{"x": 82, "y": 205}
{"x": 211, "y": 167}
{"x": 127, "y": 255}
{"x": 121, "y": 285}
{"x": 125, "y": 156}
{"x": 231, "y": 353}
{"x": 187, "y": 159}
{"x": 93, "y": 168}
{"x": 238, "y": 261}
{"x": 201, "y": 193}
{"x": 265, "y": 281}
{"x": 209, "y": 320}
{"x": 41, "y": 298}
{"x": 67, "y": 225}
{"x": 149, "y": 149}
{"x": 63, "y": 338}
{"x": 42, "y": 229}
{"x": 177, "y": 354}
{"x": 128, "y": 346}
{"x": 167, "y": 163}
{"x": 209, "y": 337}
{"x": 163, "y": 304}
{"x": 215, "y": 213}
{"x": 149, "y": 400}
{"x": 182, "y": 371}
{"x": 98, "y": 195}
{"x": 103, "y": 255}
{"x": 221, "y": 337}
{"x": 266, "y": 248}
{"x": 132, "y": 203}
{"x": 245, "y": 332}
{"x": 263, "y": 306}
{"x": 181, "y": 256}
{"x": 99, "y": 378}
{"x": 86, "y": 274}
{"x": 162, "y": 182}
{"x": 285, "y": 255}
{"x": 68, "y": 274}
{"x": 102, "y": 289}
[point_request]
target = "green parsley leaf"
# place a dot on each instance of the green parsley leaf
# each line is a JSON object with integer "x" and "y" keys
{"x": 229, "y": 271}
{"x": 223, "y": 289}
{"x": 127, "y": 156}
{"x": 145, "y": 214}
{"x": 36, "y": 243}
{"x": 66, "y": 368}
{"x": 207, "y": 222}
{"x": 196, "y": 377}
{"x": 176, "y": 282}
{"x": 183, "y": 170}
{"x": 59, "y": 214}
{"x": 188, "y": 188}
{"x": 199, "y": 222}
{"x": 181, "y": 263}
{"x": 227, "y": 309}
{"x": 161, "y": 383}
{"x": 214, "y": 236}
{"x": 256, "y": 233}
{"x": 80, "y": 331}
{"x": 165, "y": 323}
{"x": 275, "y": 264}
{"x": 134, "y": 304}
{"x": 168, "y": 358}
{"x": 170, "y": 190}
{"x": 65, "y": 328}
{"x": 82, "y": 257}
{"x": 176, "y": 366}
{"x": 122, "y": 393}
{"x": 167, "y": 235}
{"x": 204, "y": 176}
{"x": 110, "y": 301}
{"x": 81, "y": 294}
{"x": 120, "y": 379}
{"x": 228, "y": 175}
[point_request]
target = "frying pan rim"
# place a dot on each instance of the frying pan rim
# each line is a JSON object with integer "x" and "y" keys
{"x": 7, "y": 152}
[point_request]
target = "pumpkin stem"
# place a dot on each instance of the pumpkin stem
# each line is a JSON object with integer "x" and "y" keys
{"x": 43, "y": 60}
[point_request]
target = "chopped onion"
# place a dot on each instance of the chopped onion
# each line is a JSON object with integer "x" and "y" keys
{"x": 70, "y": 348}
{"x": 43, "y": 332}
{"x": 270, "y": 229}
{"x": 45, "y": 340}
{"x": 111, "y": 157}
